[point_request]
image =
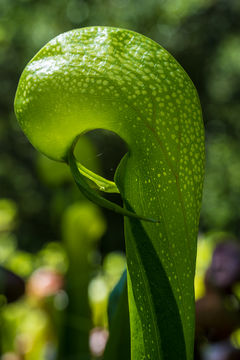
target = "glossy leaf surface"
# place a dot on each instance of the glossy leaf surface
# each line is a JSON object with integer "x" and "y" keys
{"x": 118, "y": 345}
{"x": 124, "y": 82}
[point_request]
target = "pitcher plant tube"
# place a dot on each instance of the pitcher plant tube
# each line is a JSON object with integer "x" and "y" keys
{"x": 121, "y": 81}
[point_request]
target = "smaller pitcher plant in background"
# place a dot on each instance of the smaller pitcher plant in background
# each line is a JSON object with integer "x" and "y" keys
{"x": 121, "y": 81}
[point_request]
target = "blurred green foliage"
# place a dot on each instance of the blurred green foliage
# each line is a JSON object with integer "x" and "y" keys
{"x": 204, "y": 36}
{"x": 82, "y": 227}
{"x": 8, "y": 212}
{"x": 205, "y": 248}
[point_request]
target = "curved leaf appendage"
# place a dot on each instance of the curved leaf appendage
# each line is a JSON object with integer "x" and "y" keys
{"x": 121, "y": 81}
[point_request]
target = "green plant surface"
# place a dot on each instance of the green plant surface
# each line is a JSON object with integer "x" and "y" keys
{"x": 118, "y": 345}
{"x": 121, "y": 81}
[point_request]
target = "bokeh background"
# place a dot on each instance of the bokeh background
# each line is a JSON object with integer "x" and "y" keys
{"x": 61, "y": 256}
